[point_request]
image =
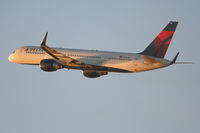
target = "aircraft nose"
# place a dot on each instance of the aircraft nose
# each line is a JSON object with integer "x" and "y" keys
{"x": 11, "y": 58}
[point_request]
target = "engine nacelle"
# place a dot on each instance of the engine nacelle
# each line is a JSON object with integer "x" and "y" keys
{"x": 50, "y": 65}
{"x": 94, "y": 74}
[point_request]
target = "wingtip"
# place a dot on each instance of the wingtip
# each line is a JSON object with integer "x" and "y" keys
{"x": 173, "y": 21}
{"x": 43, "y": 41}
{"x": 46, "y": 33}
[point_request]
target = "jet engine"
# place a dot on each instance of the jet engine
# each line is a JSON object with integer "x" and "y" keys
{"x": 94, "y": 74}
{"x": 50, "y": 65}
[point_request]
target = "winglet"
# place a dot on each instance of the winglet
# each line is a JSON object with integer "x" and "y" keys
{"x": 174, "y": 60}
{"x": 43, "y": 41}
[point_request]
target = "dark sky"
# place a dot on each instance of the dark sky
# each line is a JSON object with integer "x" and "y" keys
{"x": 164, "y": 100}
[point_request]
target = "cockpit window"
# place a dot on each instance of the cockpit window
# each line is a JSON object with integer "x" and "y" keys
{"x": 13, "y": 52}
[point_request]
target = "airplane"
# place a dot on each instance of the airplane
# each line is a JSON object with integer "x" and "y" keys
{"x": 95, "y": 63}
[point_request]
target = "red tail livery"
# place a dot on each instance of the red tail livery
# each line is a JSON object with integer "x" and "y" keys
{"x": 160, "y": 44}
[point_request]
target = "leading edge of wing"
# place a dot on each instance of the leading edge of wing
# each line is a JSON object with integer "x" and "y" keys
{"x": 73, "y": 63}
{"x": 62, "y": 58}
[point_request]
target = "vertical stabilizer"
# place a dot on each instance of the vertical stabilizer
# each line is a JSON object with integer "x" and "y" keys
{"x": 160, "y": 44}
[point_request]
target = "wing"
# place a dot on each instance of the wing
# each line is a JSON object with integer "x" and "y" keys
{"x": 61, "y": 58}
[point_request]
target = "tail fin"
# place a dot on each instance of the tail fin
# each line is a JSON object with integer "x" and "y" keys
{"x": 159, "y": 45}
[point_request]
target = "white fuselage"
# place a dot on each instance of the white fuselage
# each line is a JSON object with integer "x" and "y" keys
{"x": 126, "y": 62}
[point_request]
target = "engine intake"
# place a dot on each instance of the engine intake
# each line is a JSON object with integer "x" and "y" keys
{"x": 50, "y": 65}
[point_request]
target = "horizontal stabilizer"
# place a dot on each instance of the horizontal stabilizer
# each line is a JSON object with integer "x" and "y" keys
{"x": 184, "y": 63}
{"x": 174, "y": 60}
